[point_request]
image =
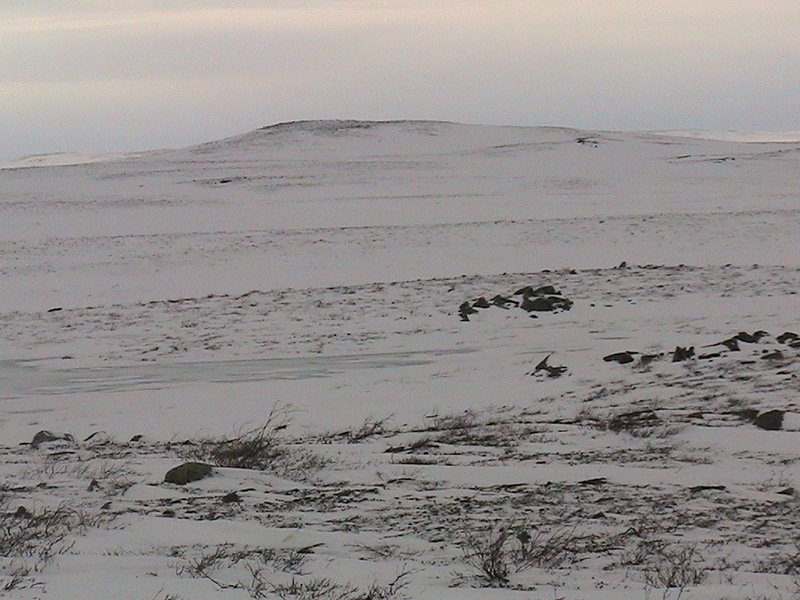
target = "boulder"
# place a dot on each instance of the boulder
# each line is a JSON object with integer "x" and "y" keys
{"x": 503, "y": 302}
{"x": 787, "y": 337}
{"x": 45, "y": 437}
{"x": 481, "y": 303}
{"x": 681, "y": 354}
{"x": 731, "y": 344}
{"x": 545, "y": 290}
{"x": 188, "y": 472}
{"x": 622, "y": 358}
{"x": 750, "y": 338}
{"x": 772, "y": 420}
{"x": 545, "y": 303}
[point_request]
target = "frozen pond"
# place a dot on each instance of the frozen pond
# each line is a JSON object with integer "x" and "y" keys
{"x": 24, "y": 377}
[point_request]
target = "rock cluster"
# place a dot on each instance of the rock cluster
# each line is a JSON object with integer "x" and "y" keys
{"x": 541, "y": 299}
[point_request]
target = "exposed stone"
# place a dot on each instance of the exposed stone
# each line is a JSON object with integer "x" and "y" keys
{"x": 731, "y": 344}
{"x": 188, "y": 472}
{"x": 703, "y": 488}
{"x": 545, "y": 290}
{"x": 787, "y": 337}
{"x": 646, "y": 359}
{"x": 545, "y": 303}
{"x": 622, "y": 358}
{"x": 776, "y": 355}
{"x": 481, "y": 303}
{"x": 465, "y": 310}
{"x": 551, "y": 370}
{"x": 44, "y": 437}
{"x": 771, "y": 420}
{"x": 681, "y": 354}
{"x": 231, "y": 497}
{"x": 503, "y": 302}
{"x": 749, "y": 338}
{"x": 524, "y": 291}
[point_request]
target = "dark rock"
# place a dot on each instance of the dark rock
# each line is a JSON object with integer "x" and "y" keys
{"x": 525, "y": 291}
{"x": 622, "y": 358}
{"x": 593, "y": 481}
{"x": 772, "y": 420}
{"x": 731, "y": 344}
{"x": 44, "y": 437}
{"x": 54, "y": 309}
{"x": 748, "y": 338}
{"x": 545, "y": 303}
{"x": 788, "y": 337}
{"x": 623, "y": 265}
{"x": 231, "y": 497}
{"x": 646, "y": 359}
{"x": 702, "y": 488}
{"x": 552, "y": 371}
{"x": 481, "y": 303}
{"x": 93, "y": 485}
{"x": 789, "y": 491}
{"x": 137, "y": 437}
{"x": 465, "y": 310}
{"x": 776, "y": 355}
{"x": 545, "y": 290}
{"x": 188, "y": 472}
{"x": 23, "y": 513}
{"x": 503, "y": 302}
{"x": 709, "y": 355}
{"x": 681, "y": 354}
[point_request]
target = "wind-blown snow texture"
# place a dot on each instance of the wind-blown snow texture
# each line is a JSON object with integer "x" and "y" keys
{"x": 314, "y": 271}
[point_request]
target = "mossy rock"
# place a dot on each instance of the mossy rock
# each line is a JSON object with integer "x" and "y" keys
{"x": 188, "y": 472}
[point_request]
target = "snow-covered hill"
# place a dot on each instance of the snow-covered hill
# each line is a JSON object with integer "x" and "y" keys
{"x": 354, "y": 291}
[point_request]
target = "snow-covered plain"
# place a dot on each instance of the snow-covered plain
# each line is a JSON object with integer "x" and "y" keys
{"x": 313, "y": 271}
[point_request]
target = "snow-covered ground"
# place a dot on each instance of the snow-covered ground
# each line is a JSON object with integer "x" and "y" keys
{"x": 312, "y": 273}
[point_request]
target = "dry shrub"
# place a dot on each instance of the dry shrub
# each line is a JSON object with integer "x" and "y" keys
{"x": 510, "y": 547}
{"x": 262, "y": 449}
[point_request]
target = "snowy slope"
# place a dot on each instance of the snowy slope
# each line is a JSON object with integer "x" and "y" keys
{"x": 318, "y": 267}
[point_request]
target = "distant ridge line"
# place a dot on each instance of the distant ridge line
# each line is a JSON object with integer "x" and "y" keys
{"x": 336, "y": 124}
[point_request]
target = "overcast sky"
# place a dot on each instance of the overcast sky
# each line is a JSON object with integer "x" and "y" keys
{"x": 128, "y": 75}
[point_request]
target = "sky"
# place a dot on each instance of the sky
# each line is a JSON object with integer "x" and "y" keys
{"x": 98, "y": 77}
